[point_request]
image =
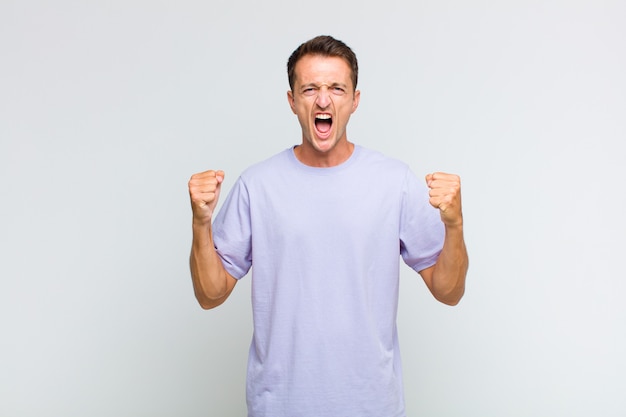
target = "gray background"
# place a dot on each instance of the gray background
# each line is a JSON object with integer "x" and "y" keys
{"x": 107, "y": 108}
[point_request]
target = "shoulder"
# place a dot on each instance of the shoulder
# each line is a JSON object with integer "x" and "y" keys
{"x": 393, "y": 173}
{"x": 383, "y": 164}
{"x": 273, "y": 165}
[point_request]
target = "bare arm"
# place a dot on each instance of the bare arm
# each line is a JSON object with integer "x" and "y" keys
{"x": 211, "y": 283}
{"x": 446, "y": 279}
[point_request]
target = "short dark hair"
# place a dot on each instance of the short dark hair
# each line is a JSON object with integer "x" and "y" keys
{"x": 326, "y": 46}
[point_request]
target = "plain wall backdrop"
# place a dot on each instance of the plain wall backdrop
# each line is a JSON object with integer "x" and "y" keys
{"x": 108, "y": 107}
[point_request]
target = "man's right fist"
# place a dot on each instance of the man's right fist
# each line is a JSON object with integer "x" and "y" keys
{"x": 204, "y": 192}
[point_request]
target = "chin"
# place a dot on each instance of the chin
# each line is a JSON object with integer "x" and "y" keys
{"x": 325, "y": 147}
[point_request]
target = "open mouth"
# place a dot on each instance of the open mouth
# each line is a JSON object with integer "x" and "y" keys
{"x": 323, "y": 123}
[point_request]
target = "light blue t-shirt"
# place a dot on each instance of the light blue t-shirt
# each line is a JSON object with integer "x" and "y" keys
{"x": 324, "y": 245}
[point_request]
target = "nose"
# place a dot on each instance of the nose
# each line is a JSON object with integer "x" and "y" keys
{"x": 323, "y": 97}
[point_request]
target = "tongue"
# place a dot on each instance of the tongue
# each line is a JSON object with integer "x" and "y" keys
{"x": 323, "y": 125}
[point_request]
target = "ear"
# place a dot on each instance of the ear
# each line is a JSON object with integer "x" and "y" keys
{"x": 291, "y": 100}
{"x": 355, "y": 100}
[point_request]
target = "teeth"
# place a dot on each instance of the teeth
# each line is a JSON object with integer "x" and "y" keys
{"x": 323, "y": 116}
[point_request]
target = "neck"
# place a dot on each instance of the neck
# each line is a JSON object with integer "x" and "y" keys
{"x": 314, "y": 158}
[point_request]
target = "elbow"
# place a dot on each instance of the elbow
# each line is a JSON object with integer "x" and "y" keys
{"x": 450, "y": 288}
{"x": 210, "y": 297}
{"x": 208, "y": 303}
{"x": 204, "y": 302}
{"x": 452, "y": 298}
{"x": 451, "y": 302}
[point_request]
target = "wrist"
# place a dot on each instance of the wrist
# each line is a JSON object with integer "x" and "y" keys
{"x": 456, "y": 227}
{"x": 202, "y": 230}
{"x": 201, "y": 222}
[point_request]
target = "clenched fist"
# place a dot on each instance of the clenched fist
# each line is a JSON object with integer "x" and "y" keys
{"x": 445, "y": 195}
{"x": 204, "y": 192}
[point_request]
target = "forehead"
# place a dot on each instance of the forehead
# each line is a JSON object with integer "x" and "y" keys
{"x": 320, "y": 69}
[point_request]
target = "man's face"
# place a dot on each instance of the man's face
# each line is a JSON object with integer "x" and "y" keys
{"x": 323, "y": 98}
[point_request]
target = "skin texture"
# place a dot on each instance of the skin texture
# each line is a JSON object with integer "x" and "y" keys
{"x": 211, "y": 283}
{"x": 446, "y": 279}
{"x": 323, "y": 88}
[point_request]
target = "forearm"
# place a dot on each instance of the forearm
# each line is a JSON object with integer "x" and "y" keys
{"x": 448, "y": 279}
{"x": 211, "y": 283}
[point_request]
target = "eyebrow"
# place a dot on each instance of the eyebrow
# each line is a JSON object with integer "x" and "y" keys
{"x": 309, "y": 85}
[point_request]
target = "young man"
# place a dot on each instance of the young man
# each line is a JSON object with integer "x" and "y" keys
{"x": 324, "y": 224}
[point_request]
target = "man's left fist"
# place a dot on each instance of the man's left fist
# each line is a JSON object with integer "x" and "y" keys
{"x": 445, "y": 195}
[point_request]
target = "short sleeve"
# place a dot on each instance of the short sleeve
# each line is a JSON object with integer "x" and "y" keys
{"x": 421, "y": 228}
{"x": 232, "y": 231}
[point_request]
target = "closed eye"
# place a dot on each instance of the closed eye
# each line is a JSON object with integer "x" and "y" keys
{"x": 310, "y": 91}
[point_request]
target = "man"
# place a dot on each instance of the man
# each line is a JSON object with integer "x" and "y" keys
{"x": 323, "y": 224}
